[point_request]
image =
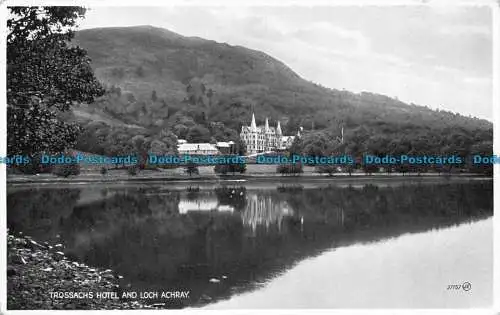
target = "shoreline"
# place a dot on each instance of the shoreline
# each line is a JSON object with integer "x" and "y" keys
{"x": 34, "y": 270}
{"x": 97, "y": 178}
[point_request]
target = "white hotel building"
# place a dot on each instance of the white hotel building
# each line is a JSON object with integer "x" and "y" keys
{"x": 265, "y": 138}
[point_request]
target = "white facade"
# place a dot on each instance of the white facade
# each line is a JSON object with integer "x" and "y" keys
{"x": 264, "y": 138}
{"x": 197, "y": 149}
{"x": 204, "y": 204}
{"x": 265, "y": 211}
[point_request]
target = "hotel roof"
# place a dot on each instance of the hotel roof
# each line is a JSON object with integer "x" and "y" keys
{"x": 196, "y": 147}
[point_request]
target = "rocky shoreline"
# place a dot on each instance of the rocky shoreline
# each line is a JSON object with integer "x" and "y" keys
{"x": 35, "y": 270}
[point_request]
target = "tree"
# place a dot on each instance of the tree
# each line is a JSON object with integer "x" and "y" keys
{"x": 327, "y": 168}
{"x": 139, "y": 71}
{"x": 92, "y": 138}
{"x": 484, "y": 149}
{"x": 191, "y": 169}
{"x": 116, "y": 90}
{"x": 130, "y": 97}
{"x": 181, "y": 131}
{"x": 158, "y": 147}
{"x": 292, "y": 125}
{"x": 198, "y": 134}
{"x": 240, "y": 147}
{"x": 210, "y": 95}
{"x": 141, "y": 146}
{"x": 170, "y": 141}
{"x": 66, "y": 169}
{"x": 45, "y": 76}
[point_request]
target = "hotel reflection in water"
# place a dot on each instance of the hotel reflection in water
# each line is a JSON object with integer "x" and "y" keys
{"x": 259, "y": 211}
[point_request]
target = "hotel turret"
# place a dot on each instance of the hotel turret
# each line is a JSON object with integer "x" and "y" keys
{"x": 264, "y": 138}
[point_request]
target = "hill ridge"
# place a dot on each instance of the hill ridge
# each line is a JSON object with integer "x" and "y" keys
{"x": 162, "y": 80}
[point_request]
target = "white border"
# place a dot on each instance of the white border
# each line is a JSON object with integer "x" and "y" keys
{"x": 253, "y": 3}
{"x": 494, "y": 5}
{"x": 496, "y": 146}
{"x": 3, "y": 152}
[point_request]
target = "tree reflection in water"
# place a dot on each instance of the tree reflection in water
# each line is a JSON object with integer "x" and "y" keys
{"x": 161, "y": 239}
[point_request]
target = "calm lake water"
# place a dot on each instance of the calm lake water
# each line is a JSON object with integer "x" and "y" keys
{"x": 313, "y": 244}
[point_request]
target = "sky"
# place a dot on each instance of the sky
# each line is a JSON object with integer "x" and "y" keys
{"x": 438, "y": 56}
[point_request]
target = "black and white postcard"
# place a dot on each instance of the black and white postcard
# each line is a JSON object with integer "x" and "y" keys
{"x": 248, "y": 156}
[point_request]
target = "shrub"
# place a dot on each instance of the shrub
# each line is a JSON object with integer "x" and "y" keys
{"x": 66, "y": 170}
{"x": 33, "y": 167}
{"x": 328, "y": 169}
{"x": 230, "y": 168}
{"x": 192, "y": 169}
{"x": 293, "y": 169}
{"x": 221, "y": 169}
{"x": 240, "y": 168}
{"x": 132, "y": 170}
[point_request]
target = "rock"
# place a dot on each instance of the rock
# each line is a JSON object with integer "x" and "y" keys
{"x": 11, "y": 271}
{"x": 21, "y": 241}
{"x": 33, "y": 270}
{"x": 18, "y": 259}
{"x": 35, "y": 244}
{"x": 58, "y": 258}
{"x": 71, "y": 306}
{"x": 108, "y": 276}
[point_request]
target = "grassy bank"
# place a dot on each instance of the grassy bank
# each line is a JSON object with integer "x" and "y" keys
{"x": 206, "y": 173}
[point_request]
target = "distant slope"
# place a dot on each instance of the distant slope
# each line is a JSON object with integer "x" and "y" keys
{"x": 144, "y": 58}
{"x": 158, "y": 79}
{"x": 84, "y": 114}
